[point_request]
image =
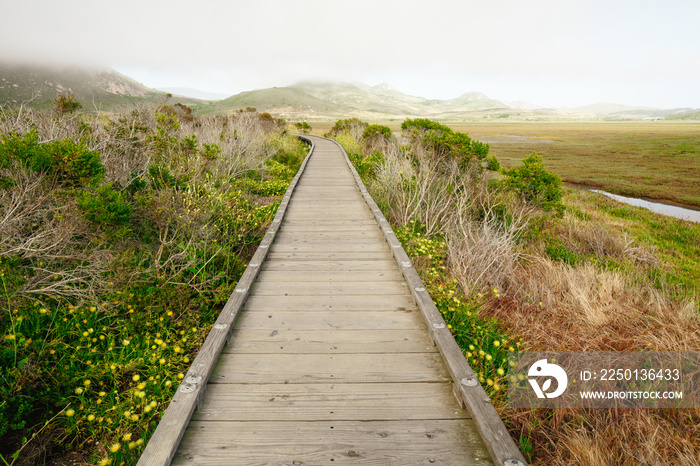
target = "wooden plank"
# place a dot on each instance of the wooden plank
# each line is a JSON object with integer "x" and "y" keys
{"x": 330, "y": 320}
{"x": 335, "y": 225}
{"x": 338, "y": 368}
{"x": 307, "y": 187}
{"x": 339, "y": 256}
{"x": 380, "y": 443}
{"x": 328, "y": 227}
{"x": 330, "y": 276}
{"x": 347, "y": 243}
{"x": 327, "y": 303}
{"x": 312, "y": 197}
{"x": 322, "y": 341}
{"x": 332, "y": 216}
{"x": 329, "y": 402}
{"x": 296, "y": 288}
{"x": 328, "y": 266}
{"x": 291, "y": 236}
{"x": 343, "y": 209}
{"x": 329, "y": 247}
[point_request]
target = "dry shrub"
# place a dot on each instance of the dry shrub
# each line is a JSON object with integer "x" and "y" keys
{"x": 51, "y": 235}
{"x": 423, "y": 190}
{"x": 48, "y": 126}
{"x": 180, "y": 228}
{"x": 633, "y": 437}
{"x": 559, "y": 307}
{"x": 244, "y": 138}
{"x": 50, "y": 232}
{"x": 483, "y": 251}
{"x": 122, "y": 142}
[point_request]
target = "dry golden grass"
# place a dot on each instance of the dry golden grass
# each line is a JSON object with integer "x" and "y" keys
{"x": 612, "y": 437}
{"x": 556, "y": 306}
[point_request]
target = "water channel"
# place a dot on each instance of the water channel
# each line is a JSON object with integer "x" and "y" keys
{"x": 671, "y": 210}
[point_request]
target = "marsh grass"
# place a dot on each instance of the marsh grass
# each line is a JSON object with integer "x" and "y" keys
{"x": 657, "y": 160}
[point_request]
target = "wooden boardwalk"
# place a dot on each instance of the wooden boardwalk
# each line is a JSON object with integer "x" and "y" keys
{"x": 330, "y": 359}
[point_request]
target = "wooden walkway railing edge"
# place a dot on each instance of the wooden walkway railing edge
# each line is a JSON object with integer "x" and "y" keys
{"x": 165, "y": 440}
{"x": 467, "y": 389}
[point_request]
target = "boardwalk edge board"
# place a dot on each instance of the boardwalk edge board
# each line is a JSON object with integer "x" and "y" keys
{"x": 466, "y": 386}
{"x": 166, "y": 438}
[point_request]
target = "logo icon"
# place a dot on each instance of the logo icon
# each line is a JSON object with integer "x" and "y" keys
{"x": 549, "y": 371}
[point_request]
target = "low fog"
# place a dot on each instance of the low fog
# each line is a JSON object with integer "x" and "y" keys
{"x": 548, "y": 52}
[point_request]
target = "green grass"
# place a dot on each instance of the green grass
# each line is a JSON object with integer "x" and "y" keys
{"x": 657, "y": 160}
{"x": 674, "y": 242}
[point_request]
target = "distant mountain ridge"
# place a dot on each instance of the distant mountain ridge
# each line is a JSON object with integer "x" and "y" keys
{"x": 316, "y": 100}
{"x": 333, "y": 100}
{"x": 104, "y": 89}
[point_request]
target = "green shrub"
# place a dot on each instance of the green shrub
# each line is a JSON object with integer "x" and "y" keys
{"x": 303, "y": 126}
{"x": 558, "y": 252}
{"x": 280, "y": 171}
{"x": 536, "y": 185}
{"x": 66, "y": 104}
{"x": 22, "y": 148}
{"x": 211, "y": 151}
{"x": 492, "y": 163}
{"x": 290, "y": 159}
{"x": 71, "y": 162}
{"x": 423, "y": 124}
{"x": 443, "y": 141}
{"x": 162, "y": 178}
{"x": 105, "y": 206}
{"x": 377, "y": 132}
{"x": 74, "y": 162}
{"x": 351, "y": 125}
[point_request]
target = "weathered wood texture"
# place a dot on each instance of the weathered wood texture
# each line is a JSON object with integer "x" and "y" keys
{"x": 330, "y": 358}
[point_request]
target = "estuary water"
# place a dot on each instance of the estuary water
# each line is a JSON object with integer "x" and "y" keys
{"x": 666, "y": 209}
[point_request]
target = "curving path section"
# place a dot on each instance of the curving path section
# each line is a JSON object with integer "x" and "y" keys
{"x": 331, "y": 358}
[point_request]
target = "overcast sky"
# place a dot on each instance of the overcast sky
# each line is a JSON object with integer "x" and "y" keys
{"x": 551, "y": 52}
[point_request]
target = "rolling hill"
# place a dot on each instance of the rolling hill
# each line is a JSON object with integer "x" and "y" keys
{"x": 329, "y": 100}
{"x": 96, "y": 89}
